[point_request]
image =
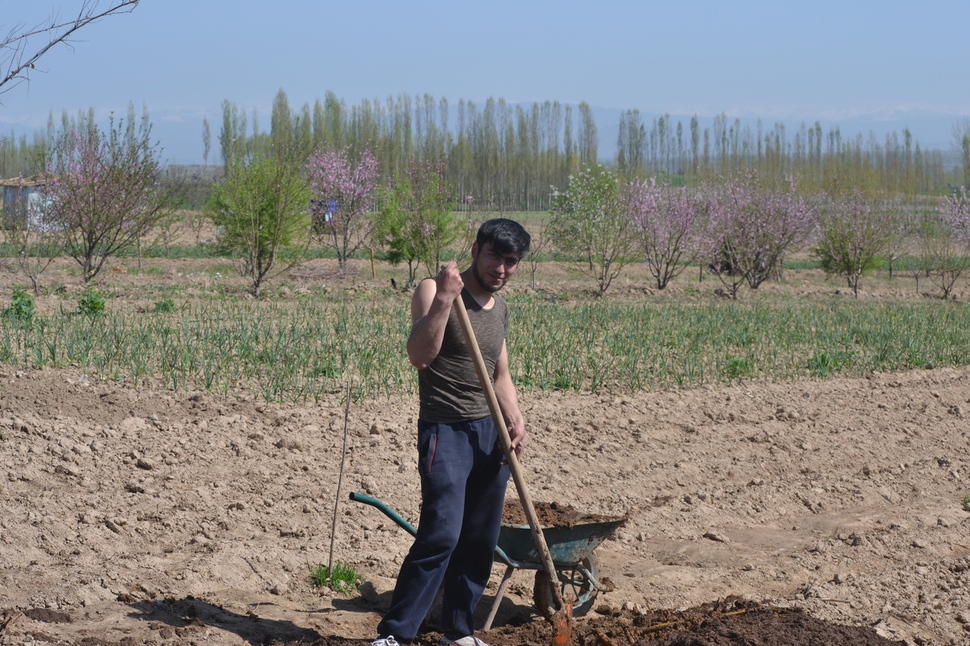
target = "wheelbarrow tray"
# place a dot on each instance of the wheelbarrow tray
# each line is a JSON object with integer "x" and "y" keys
{"x": 568, "y": 545}
{"x": 572, "y": 554}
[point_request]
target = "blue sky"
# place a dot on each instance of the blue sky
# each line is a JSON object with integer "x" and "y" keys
{"x": 873, "y": 62}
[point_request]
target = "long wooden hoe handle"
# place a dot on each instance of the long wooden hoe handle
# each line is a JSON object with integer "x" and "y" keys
{"x": 530, "y": 513}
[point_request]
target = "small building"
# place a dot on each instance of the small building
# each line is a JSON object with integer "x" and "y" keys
{"x": 21, "y": 196}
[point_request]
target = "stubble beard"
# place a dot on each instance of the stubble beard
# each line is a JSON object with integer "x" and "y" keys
{"x": 484, "y": 285}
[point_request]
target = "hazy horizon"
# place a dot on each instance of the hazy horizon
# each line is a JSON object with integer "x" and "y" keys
{"x": 864, "y": 66}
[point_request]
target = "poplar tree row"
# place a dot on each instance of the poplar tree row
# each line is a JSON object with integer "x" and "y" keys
{"x": 820, "y": 159}
{"x": 505, "y": 156}
{"x": 509, "y": 156}
{"x": 20, "y": 156}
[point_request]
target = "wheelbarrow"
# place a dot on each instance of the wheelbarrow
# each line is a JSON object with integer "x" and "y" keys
{"x": 572, "y": 554}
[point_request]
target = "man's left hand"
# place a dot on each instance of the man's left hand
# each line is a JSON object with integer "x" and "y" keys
{"x": 517, "y": 436}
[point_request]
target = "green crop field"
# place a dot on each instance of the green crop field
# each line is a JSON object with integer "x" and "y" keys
{"x": 189, "y": 324}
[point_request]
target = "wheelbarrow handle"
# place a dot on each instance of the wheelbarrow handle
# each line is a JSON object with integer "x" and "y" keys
{"x": 390, "y": 513}
{"x": 409, "y": 528}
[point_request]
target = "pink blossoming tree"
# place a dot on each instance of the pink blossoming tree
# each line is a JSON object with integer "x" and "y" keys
{"x": 751, "y": 227}
{"x": 344, "y": 192}
{"x": 104, "y": 191}
{"x": 667, "y": 219}
{"x": 945, "y": 241}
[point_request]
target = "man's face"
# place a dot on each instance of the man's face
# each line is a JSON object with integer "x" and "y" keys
{"x": 492, "y": 269}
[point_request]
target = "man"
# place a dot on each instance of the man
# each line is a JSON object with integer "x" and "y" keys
{"x": 460, "y": 459}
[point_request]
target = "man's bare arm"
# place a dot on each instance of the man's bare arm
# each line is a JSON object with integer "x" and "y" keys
{"x": 430, "y": 306}
{"x": 508, "y": 401}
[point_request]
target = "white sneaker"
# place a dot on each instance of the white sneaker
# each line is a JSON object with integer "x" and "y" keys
{"x": 385, "y": 641}
{"x": 470, "y": 640}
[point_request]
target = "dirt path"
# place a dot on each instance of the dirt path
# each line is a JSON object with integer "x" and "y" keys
{"x": 136, "y": 516}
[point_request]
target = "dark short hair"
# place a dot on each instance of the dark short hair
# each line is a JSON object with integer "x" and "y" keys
{"x": 505, "y": 236}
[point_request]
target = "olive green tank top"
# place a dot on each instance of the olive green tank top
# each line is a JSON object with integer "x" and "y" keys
{"x": 449, "y": 390}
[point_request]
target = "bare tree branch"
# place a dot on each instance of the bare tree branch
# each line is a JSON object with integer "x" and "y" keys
{"x": 20, "y": 50}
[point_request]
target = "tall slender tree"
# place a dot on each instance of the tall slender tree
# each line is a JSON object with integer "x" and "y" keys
{"x": 588, "y": 140}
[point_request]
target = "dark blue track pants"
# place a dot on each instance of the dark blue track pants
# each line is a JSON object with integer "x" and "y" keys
{"x": 463, "y": 482}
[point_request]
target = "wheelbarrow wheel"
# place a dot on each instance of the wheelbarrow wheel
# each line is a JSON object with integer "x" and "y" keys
{"x": 577, "y": 588}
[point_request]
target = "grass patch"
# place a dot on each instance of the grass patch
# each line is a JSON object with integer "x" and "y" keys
{"x": 616, "y": 347}
{"x": 736, "y": 367}
{"x": 164, "y": 306}
{"x": 341, "y": 578}
{"x": 21, "y": 306}
{"x": 91, "y": 302}
{"x": 794, "y": 264}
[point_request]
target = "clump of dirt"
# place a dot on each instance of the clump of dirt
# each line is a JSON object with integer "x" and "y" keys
{"x": 723, "y": 623}
{"x": 48, "y": 616}
{"x": 551, "y": 514}
{"x": 731, "y": 621}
